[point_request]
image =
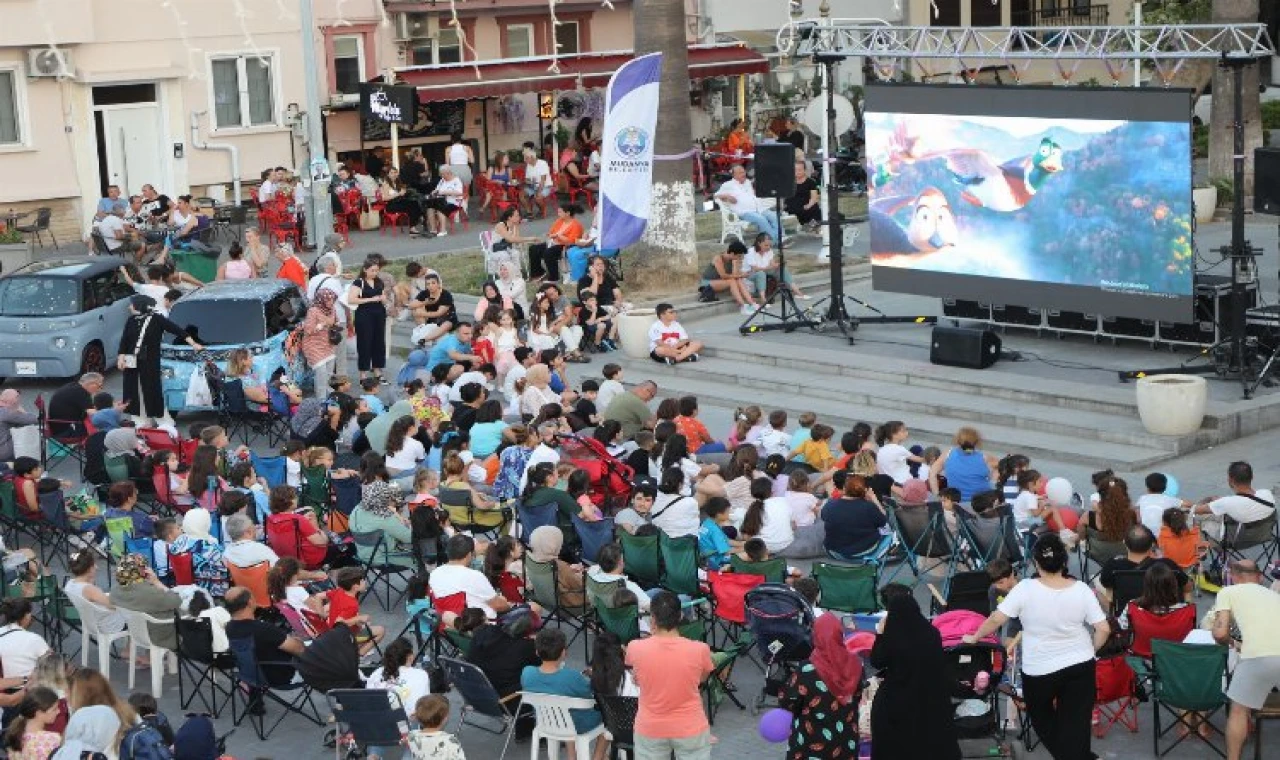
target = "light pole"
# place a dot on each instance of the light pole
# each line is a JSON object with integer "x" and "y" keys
{"x": 319, "y": 212}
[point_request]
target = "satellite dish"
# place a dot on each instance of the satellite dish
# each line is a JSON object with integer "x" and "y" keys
{"x": 815, "y": 115}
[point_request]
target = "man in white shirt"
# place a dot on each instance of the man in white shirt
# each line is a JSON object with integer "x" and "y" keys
{"x": 482, "y": 376}
{"x": 545, "y": 451}
{"x": 611, "y": 388}
{"x": 1153, "y": 503}
{"x": 537, "y": 180}
{"x": 244, "y": 550}
{"x": 458, "y": 577}
{"x": 668, "y": 341}
{"x": 740, "y": 196}
{"x": 119, "y": 238}
{"x": 525, "y": 358}
{"x": 1245, "y": 505}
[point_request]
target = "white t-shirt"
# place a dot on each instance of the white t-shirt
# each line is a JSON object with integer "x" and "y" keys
{"x": 155, "y": 292}
{"x": 249, "y": 553}
{"x": 743, "y": 194}
{"x": 466, "y": 378}
{"x": 802, "y": 504}
{"x": 517, "y": 372}
{"x": 600, "y": 576}
{"x": 668, "y": 334}
{"x": 675, "y": 514}
{"x": 690, "y": 467}
{"x": 451, "y": 579}
{"x": 296, "y": 596}
{"x": 407, "y": 457}
{"x": 1243, "y": 509}
{"x": 1151, "y": 507}
{"x": 19, "y": 650}
{"x": 410, "y": 684}
{"x": 541, "y": 453}
{"x": 756, "y": 259}
{"x": 454, "y": 187}
{"x": 267, "y": 190}
{"x": 609, "y": 390}
{"x": 293, "y": 473}
{"x": 536, "y": 174}
{"x": 1054, "y": 635}
{"x": 457, "y": 157}
{"x": 775, "y": 442}
{"x": 1023, "y": 505}
{"x": 777, "y": 532}
{"x": 891, "y": 460}
{"x": 110, "y": 227}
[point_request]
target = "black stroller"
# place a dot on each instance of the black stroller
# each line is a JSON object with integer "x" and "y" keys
{"x": 781, "y": 621}
{"x": 977, "y": 697}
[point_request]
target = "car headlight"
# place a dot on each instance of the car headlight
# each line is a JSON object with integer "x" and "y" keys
{"x": 59, "y": 343}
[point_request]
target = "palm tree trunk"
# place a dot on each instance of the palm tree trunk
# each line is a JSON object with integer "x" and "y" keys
{"x": 1222, "y": 115}
{"x": 667, "y": 253}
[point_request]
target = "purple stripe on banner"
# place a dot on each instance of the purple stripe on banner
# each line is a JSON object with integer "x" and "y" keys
{"x": 623, "y": 230}
{"x": 639, "y": 72}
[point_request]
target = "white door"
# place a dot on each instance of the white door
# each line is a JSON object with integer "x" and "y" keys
{"x": 132, "y": 135}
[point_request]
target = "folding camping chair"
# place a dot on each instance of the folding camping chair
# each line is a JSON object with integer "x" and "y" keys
{"x": 719, "y": 684}
{"x": 480, "y": 698}
{"x": 969, "y": 590}
{"x": 532, "y": 518}
{"x": 1094, "y": 549}
{"x": 992, "y": 538}
{"x": 543, "y": 585}
{"x": 1238, "y": 537}
{"x": 620, "y": 721}
{"x": 729, "y": 602}
{"x": 250, "y": 674}
{"x": 368, "y": 718}
{"x": 237, "y": 416}
{"x": 679, "y": 564}
{"x": 848, "y": 588}
{"x": 197, "y": 660}
{"x": 774, "y": 570}
{"x": 643, "y": 558}
{"x": 1186, "y": 678}
{"x": 592, "y": 536}
{"x": 929, "y": 545}
{"x": 466, "y": 516}
{"x": 1126, "y": 585}
{"x": 1115, "y": 695}
{"x": 379, "y": 567}
{"x": 58, "y": 445}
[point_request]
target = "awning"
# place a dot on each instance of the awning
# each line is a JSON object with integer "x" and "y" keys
{"x": 589, "y": 70}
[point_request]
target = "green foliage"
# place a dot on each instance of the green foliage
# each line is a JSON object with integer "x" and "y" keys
{"x": 1226, "y": 190}
{"x": 1270, "y": 119}
{"x": 1156, "y": 12}
{"x": 1200, "y": 141}
{"x": 10, "y": 236}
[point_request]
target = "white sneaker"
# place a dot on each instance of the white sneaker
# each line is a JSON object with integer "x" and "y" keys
{"x": 442, "y": 233}
{"x": 748, "y": 309}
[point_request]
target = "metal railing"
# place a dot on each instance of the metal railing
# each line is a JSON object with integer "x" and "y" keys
{"x": 1064, "y": 13}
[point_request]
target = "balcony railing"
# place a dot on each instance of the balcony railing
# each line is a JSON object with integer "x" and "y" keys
{"x": 1062, "y": 14}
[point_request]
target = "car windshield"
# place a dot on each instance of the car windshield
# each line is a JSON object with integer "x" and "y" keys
{"x": 39, "y": 296}
{"x": 219, "y": 323}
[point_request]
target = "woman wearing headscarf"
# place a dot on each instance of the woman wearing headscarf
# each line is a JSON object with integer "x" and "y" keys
{"x": 537, "y": 391}
{"x": 489, "y": 296}
{"x": 92, "y": 732}
{"x": 206, "y": 553}
{"x": 545, "y": 544}
{"x": 379, "y": 509}
{"x": 139, "y": 590}
{"x": 12, "y": 415}
{"x": 822, "y": 695}
{"x": 317, "y": 348}
{"x": 911, "y": 715}
{"x": 139, "y": 356}
{"x": 123, "y": 444}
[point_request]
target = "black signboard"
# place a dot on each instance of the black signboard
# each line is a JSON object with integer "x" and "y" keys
{"x": 428, "y": 120}
{"x": 388, "y": 103}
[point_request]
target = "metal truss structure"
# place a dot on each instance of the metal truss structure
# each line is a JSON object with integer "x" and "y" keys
{"x": 1164, "y": 47}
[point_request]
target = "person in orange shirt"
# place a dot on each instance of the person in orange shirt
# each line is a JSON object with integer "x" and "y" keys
{"x": 688, "y": 425}
{"x": 544, "y": 258}
{"x": 738, "y": 142}
{"x": 291, "y": 267}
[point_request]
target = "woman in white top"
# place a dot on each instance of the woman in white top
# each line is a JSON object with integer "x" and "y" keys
{"x": 537, "y": 391}
{"x": 1058, "y": 649}
{"x": 768, "y": 517}
{"x": 673, "y": 512}
{"x": 459, "y": 157}
{"x": 450, "y": 193}
{"x": 511, "y": 285}
{"x": 404, "y": 451}
{"x": 893, "y": 459}
{"x": 397, "y": 674}
{"x": 759, "y": 264}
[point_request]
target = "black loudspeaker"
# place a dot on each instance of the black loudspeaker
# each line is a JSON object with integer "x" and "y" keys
{"x": 1266, "y": 180}
{"x": 775, "y": 170}
{"x": 964, "y": 347}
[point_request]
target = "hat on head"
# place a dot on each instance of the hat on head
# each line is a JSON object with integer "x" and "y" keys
{"x": 142, "y": 304}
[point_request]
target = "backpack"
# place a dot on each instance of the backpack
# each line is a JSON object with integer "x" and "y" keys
{"x": 142, "y": 742}
{"x": 279, "y": 402}
{"x": 307, "y": 418}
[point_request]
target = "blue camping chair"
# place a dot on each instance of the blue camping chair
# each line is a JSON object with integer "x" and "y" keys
{"x": 593, "y": 536}
{"x": 274, "y": 469}
{"x": 532, "y": 518}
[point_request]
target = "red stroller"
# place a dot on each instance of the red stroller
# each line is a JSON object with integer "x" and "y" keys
{"x": 610, "y": 477}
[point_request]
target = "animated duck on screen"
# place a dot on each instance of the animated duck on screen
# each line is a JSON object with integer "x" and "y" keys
{"x": 1003, "y": 187}
{"x": 932, "y": 226}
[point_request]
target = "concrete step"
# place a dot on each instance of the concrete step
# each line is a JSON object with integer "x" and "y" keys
{"x": 926, "y": 427}
{"x": 893, "y": 397}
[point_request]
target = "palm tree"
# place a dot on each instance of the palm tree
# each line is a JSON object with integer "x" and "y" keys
{"x": 668, "y": 251}
{"x": 1222, "y": 115}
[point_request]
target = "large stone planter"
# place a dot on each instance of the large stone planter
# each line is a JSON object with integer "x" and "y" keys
{"x": 633, "y": 331}
{"x": 1172, "y": 404}
{"x": 14, "y": 255}
{"x": 1206, "y": 201}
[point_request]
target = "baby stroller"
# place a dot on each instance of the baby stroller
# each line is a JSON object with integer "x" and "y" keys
{"x": 610, "y": 477}
{"x": 976, "y": 670}
{"x": 781, "y": 621}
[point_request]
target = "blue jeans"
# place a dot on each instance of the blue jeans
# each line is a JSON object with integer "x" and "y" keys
{"x": 760, "y": 280}
{"x": 715, "y": 447}
{"x": 766, "y": 222}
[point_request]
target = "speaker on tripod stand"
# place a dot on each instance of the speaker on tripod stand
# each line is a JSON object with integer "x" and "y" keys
{"x": 776, "y": 178}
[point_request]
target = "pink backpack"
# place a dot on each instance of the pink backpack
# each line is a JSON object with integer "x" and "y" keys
{"x": 957, "y": 624}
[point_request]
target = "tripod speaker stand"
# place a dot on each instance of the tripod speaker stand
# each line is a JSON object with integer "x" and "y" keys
{"x": 776, "y": 179}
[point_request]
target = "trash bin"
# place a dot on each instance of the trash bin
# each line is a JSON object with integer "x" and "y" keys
{"x": 200, "y": 265}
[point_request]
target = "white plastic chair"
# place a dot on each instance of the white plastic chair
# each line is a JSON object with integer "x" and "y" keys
{"x": 140, "y": 637}
{"x": 731, "y": 225}
{"x": 90, "y": 615}
{"x": 555, "y": 724}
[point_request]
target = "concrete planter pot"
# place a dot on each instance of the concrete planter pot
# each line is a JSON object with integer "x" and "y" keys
{"x": 633, "y": 331}
{"x": 14, "y": 255}
{"x": 1206, "y": 201}
{"x": 1172, "y": 404}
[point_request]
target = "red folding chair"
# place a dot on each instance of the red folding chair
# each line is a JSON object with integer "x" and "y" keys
{"x": 460, "y": 212}
{"x": 60, "y": 445}
{"x": 511, "y": 586}
{"x": 729, "y": 601}
{"x": 577, "y": 189}
{"x": 1147, "y": 625}
{"x": 283, "y": 536}
{"x": 183, "y": 568}
{"x": 1115, "y": 700}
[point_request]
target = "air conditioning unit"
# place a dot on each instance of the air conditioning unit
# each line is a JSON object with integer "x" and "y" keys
{"x": 344, "y": 99}
{"x": 47, "y": 62}
{"x": 416, "y": 26}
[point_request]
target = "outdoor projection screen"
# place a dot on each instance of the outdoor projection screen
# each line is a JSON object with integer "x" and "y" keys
{"x": 1075, "y": 199}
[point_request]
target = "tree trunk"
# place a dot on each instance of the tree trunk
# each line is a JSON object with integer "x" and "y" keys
{"x": 1222, "y": 115}
{"x": 667, "y": 254}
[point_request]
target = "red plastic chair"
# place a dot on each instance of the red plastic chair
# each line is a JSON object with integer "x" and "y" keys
{"x": 502, "y": 197}
{"x": 460, "y": 213}
{"x": 577, "y": 189}
{"x": 392, "y": 219}
{"x": 1147, "y": 625}
{"x": 183, "y": 568}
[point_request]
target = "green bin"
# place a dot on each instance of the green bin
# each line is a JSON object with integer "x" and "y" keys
{"x": 202, "y": 266}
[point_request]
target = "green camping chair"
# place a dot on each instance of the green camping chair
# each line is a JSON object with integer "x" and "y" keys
{"x": 679, "y": 564}
{"x": 848, "y": 588}
{"x": 774, "y": 570}
{"x": 544, "y": 588}
{"x": 642, "y": 558}
{"x": 1186, "y": 678}
{"x": 119, "y": 531}
{"x": 719, "y": 683}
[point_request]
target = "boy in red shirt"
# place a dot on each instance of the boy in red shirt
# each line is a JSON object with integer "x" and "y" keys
{"x": 344, "y": 607}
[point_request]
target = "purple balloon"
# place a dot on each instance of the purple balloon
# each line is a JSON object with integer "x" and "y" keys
{"x": 775, "y": 726}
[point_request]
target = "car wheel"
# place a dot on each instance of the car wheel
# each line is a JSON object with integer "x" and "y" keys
{"x": 94, "y": 359}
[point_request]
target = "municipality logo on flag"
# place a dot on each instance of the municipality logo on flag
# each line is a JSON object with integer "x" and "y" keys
{"x": 631, "y": 142}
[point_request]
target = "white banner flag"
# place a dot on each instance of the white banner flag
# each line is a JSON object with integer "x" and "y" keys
{"x": 626, "y": 163}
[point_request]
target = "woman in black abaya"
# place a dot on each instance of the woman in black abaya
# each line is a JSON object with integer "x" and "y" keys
{"x": 139, "y": 356}
{"x": 911, "y": 716}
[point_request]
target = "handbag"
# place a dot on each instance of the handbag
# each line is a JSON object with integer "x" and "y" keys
{"x": 336, "y": 335}
{"x": 370, "y": 218}
{"x": 130, "y": 361}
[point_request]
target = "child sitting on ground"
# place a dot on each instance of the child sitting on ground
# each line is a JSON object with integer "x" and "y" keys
{"x": 804, "y": 432}
{"x": 817, "y": 450}
{"x": 755, "y": 550}
{"x": 149, "y": 712}
{"x": 776, "y": 439}
{"x": 431, "y": 741}
{"x": 344, "y": 607}
{"x": 1030, "y": 510}
{"x": 370, "y": 387}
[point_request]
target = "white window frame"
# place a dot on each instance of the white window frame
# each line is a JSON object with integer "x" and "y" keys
{"x": 577, "y": 26}
{"x": 435, "y": 44}
{"x": 359, "y": 38}
{"x": 533, "y": 40}
{"x": 22, "y": 105}
{"x": 242, "y": 57}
